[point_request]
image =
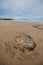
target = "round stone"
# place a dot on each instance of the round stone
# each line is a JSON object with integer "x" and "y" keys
{"x": 28, "y": 42}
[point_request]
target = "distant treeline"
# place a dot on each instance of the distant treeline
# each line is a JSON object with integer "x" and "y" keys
{"x": 6, "y": 19}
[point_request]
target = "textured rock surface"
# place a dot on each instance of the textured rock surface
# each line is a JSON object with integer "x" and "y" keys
{"x": 26, "y": 41}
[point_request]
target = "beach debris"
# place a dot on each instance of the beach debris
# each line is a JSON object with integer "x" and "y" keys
{"x": 40, "y": 27}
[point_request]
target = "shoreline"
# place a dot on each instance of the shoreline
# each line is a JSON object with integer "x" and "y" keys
{"x": 27, "y": 21}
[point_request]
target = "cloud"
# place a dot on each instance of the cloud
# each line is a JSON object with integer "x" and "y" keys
{"x": 16, "y": 5}
{"x": 21, "y": 8}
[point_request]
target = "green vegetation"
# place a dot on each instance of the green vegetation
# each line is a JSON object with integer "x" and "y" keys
{"x": 6, "y": 19}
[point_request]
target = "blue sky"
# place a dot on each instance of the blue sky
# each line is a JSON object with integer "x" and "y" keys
{"x": 22, "y": 9}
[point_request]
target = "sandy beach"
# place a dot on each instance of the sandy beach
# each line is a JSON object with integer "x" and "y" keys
{"x": 10, "y": 52}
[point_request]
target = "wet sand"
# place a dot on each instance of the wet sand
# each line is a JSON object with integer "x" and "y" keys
{"x": 10, "y": 52}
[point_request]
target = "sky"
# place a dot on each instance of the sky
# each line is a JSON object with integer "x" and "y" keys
{"x": 22, "y": 9}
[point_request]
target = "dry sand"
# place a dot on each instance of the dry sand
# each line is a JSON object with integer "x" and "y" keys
{"x": 10, "y": 55}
